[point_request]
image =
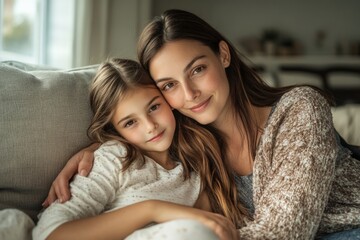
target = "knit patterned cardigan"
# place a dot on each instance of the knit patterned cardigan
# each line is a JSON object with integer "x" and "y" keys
{"x": 304, "y": 182}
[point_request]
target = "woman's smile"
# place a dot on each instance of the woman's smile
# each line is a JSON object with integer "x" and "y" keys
{"x": 201, "y": 107}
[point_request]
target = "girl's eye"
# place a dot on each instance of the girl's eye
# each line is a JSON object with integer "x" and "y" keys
{"x": 154, "y": 107}
{"x": 167, "y": 86}
{"x": 129, "y": 123}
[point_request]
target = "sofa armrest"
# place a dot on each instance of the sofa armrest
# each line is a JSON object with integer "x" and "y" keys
{"x": 347, "y": 122}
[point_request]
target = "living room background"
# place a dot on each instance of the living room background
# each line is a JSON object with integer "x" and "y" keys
{"x": 82, "y": 32}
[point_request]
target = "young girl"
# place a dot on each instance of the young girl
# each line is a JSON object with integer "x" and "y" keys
{"x": 140, "y": 176}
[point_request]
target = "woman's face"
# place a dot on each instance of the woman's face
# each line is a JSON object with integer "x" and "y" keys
{"x": 192, "y": 78}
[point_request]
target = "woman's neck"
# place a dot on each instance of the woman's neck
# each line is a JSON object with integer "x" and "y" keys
{"x": 228, "y": 124}
{"x": 238, "y": 152}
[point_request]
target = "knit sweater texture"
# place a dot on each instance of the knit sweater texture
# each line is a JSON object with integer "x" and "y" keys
{"x": 304, "y": 182}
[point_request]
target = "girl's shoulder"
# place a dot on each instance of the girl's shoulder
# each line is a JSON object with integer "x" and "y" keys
{"x": 111, "y": 149}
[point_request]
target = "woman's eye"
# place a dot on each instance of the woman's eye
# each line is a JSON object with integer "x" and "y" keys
{"x": 198, "y": 70}
{"x": 154, "y": 107}
{"x": 167, "y": 86}
{"x": 129, "y": 123}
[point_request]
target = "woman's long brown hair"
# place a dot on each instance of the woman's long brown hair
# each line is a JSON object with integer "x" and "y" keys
{"x": 200, "y": 149}
{"x": 246, "y": 87}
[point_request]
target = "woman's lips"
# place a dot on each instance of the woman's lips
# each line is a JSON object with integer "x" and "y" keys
{"x": 200, "y": 107}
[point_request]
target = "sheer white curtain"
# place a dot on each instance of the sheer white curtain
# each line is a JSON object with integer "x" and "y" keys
{"x": 91, "y": 24}
{"x": 108, "y": 28}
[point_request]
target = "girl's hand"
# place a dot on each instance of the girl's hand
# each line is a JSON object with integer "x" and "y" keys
{"x": 220, "y": 225}
{"x": 80, "y": 163}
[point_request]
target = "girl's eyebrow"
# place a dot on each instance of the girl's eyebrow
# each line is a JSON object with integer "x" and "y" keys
{"x": 152, "y": 100}
{"x": 185, "y": 69}
{"x": 130, "y": 115}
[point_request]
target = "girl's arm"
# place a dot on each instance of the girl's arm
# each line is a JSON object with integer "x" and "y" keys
{"x": 81, "y": 163}
{"x": 91, "y": 195}
{"x": 203, "y": 202}
{"x": 120, "y": 223}
{"x": 82, "y": 216}
{"x": 117, "y": 224}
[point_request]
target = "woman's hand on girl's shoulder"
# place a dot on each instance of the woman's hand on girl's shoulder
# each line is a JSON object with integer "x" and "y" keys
{"x": 80, "y": 163}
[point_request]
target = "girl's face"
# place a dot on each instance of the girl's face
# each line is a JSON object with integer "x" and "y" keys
{"x": 192, "y": 78}
{"x": 145, "y": 119}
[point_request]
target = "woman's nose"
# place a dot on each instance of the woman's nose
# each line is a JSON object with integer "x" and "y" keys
{"x": 191, "y": 92}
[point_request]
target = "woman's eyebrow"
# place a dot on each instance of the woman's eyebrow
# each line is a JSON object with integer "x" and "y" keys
{"x": 187, "y": 67}
{"x": 192, "y": 62}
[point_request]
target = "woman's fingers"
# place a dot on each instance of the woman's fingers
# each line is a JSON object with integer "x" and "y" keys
{"x": 226, "y": 233}
{"x": 222, "y": 227}
{"x": 50, "y": 198}
{"x": 86, "y": 163}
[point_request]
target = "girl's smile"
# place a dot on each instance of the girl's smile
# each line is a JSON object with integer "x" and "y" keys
{"x": 157, "y": 137}
{"x": 145, "y": 120}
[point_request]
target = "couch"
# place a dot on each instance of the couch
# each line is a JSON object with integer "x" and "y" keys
{"x": 44, "y": 115}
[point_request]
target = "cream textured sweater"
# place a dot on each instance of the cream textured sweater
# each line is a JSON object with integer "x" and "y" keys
{"x": 303, "y": 181}
{"x": 108, "y": 188}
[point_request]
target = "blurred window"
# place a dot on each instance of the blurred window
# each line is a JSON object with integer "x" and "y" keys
{"x": 37, "y": 31}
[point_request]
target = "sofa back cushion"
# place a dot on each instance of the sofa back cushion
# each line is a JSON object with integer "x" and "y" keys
{"x": 44, "y": 115}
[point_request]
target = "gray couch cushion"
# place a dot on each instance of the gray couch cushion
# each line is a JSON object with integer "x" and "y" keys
{"x": 44, "y": 115}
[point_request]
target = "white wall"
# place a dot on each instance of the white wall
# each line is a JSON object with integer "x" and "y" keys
{"x": 235, "y": 19}
{"x": 115, "y": 26}
{"x": 126, "y": 20}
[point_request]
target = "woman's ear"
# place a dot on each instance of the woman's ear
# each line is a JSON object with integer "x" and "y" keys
{"x": 224, "y": 51}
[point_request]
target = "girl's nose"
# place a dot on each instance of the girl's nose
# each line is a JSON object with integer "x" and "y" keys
{"x": 151, "y": 125}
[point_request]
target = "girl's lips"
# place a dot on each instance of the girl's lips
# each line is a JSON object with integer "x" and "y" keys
{"x": 200, "y": 107}
{"x": 157, "y": 137}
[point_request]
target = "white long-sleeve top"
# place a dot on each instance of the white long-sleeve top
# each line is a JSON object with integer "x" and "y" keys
{"x": 108, "y": 188}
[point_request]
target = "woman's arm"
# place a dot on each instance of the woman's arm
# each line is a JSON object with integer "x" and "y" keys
{"x": 120, "y": 223}
{"x": 294, "y": 170}
{"x": 80, "y": 163}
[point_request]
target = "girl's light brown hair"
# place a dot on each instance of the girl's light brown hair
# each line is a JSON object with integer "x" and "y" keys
{"x": 112, "y": 80}
{"x": 193, "y": 145}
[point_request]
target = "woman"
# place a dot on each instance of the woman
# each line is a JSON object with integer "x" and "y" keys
{"x": 292, "y": 174}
